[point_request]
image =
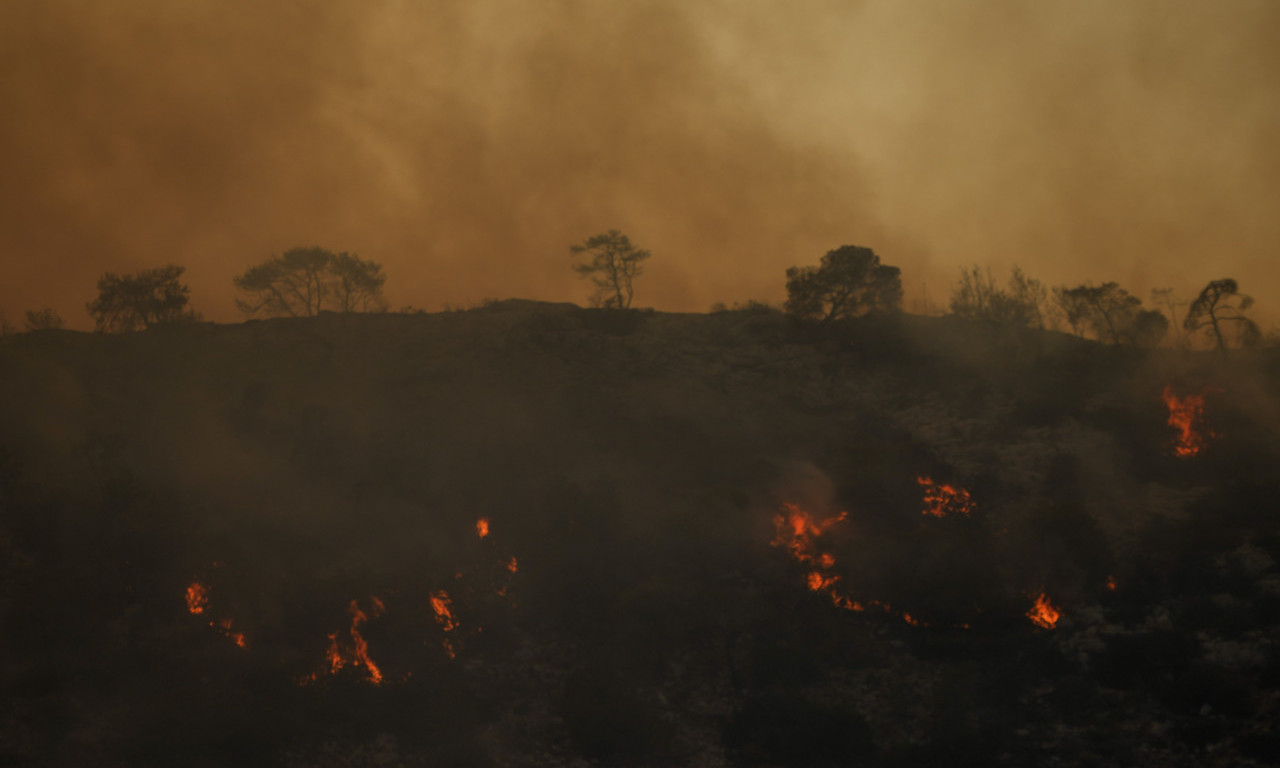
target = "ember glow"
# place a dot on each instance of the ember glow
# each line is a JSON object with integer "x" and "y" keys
{"x": 443, "y": 607}
{"x": 512, "y": 565}
{"x": 228, "y": 629}
{"x": 197, "y": 597}
{"x": 354, "y": 653}
{"x": 1043, "y": 613}
{"x": 482, "y": 527}
{"x": 198, "y": 603}
{"x": 797, "y": 531}
{"x": 941, "y": 500}
{"x": 360, "y": 648}
{"x": 1186, "y": 414}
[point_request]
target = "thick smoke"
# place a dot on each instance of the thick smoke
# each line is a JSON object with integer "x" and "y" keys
{"x": 465, "y": 145}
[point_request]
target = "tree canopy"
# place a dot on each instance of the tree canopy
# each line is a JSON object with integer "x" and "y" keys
{"x": 614, "y": 263}
{"x": 849, "y": 281}
{"x": 1113, "y": 314}
{"x": 303, "y": 282}
{"x": 978, "y": 297}
{"x": 43, "y": 319}
{"x": 141, "y": 300}
{"x": 1221, "y": 305}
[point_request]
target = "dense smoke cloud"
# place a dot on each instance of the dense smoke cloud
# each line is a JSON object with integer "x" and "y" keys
{"x": 466, "y": 145}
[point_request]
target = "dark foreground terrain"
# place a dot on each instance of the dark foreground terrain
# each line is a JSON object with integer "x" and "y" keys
{"x": 261, "y": 544}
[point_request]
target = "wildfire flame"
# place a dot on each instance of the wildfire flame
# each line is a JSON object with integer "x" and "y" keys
{"x": 1186, "y": 415}
{"x": 482, "y": 527}
{"x": 941, "y": 500}
{"x": 1043, "y": 613}
{"x": 797, "y": 531}
{"x": 229, "y": 631}
{"x": 198, "y": 603}
{"x": 512, "y": 565}
{"x": 1111, "y": 583}
{"x": 356, "y": 653}
{"x": 360, "y": 653}
{"x": 443, "y": 607}
{"x": 197, "y": 597}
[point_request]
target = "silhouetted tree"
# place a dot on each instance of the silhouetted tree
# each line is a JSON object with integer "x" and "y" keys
{"x": 1221, "y": 304}
{"x": 1165, "y": 298}
{"x": 1114, "y": 315}
{"x": 302, "y": 282}
{"x": 43, "y": 319}
{"x": 141, "y": 300}
{"x": 978, "y": 297}
{"x": 850, "y": 281}
{"x": 1074, "y": 308}
{"x": 1147, "y": 328}
{"x": 614, "y": 264}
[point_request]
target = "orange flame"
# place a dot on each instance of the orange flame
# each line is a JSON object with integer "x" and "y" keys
{"x": 941, "y": 500}
{"x": 482, "y": 527}
{"x": 443, "y": 606}
{"x": 198, "y": 603}
{"x": 1186, "y": 415}
{"x": 358, "y": 654}
{"x": 512, "y": 565}
{"x": 236, "y": 637}
{"x": 197, "y": 597}
{"x": 797, "y": 531}
{"x": 1043, "y": 613}
{"x": 1111, "y": 583}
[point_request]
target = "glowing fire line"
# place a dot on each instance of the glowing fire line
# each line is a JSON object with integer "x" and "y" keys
{"x": 1043, "y": 613}
{"x": 341, "y": 654}
{"x": 443, "y": 607}
{"x": 1186, "y": 414}
{"x": 198, "y": 602}
{"x": 941, "y": 500}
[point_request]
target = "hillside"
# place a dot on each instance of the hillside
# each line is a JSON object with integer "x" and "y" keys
{"x": 261, "y": 544}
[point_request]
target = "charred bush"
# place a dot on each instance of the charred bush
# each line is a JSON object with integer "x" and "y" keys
{"x": 610, "y": 712}
{"x": 614, "y": 322}
{"x": 789, "y": 729}
{"x": 1152, "y": 660}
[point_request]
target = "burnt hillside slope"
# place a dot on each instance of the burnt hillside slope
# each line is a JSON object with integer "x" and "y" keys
{"x": 262, "y": 544}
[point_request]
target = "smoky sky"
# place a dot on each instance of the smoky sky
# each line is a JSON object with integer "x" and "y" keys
{"x": 466, "y": 144}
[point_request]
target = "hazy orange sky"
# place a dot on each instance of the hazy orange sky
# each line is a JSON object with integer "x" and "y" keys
{"x": 465, "y": 144}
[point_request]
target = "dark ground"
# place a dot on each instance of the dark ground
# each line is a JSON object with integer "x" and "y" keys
{"x": 632, "y": 463}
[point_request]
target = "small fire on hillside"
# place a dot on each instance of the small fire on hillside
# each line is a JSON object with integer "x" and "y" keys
{"x": 482, "y": 527}
{"x": 1186, "y": 414}
{"x": 797, "y": 531}
{"x": 941, "y": 500}
{"x": 197, "y": 597}
{"x": 443, "y": 607}
{"x": 1043, "y": 613}
{"x": 198, "y": 602}
{"x": 355, "y": 652}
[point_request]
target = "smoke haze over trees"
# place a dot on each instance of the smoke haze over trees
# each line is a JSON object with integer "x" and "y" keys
{"x": 303, "y": 282}
{"x": 462, "y": 144}
{"x": 141, "y": 300}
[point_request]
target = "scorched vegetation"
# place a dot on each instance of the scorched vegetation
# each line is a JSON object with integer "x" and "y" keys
{"x": 533, "y": 534}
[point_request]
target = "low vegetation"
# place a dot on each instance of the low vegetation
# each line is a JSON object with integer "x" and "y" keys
{"x": 537, "y": 534}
